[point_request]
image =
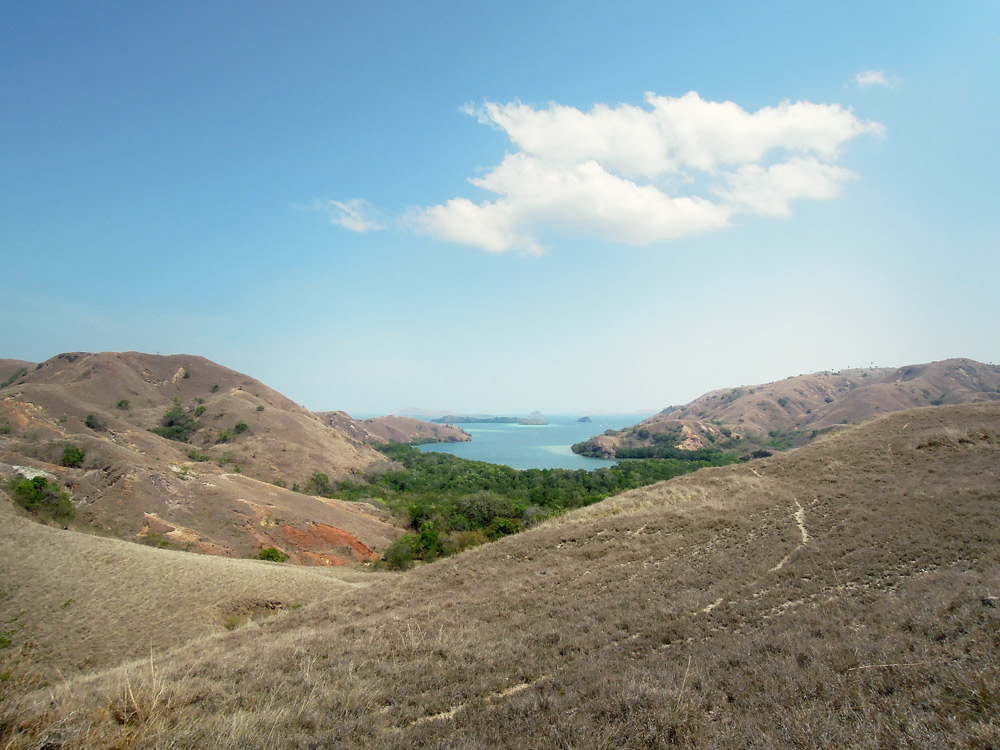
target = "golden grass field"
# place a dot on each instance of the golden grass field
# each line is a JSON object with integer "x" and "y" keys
{"x": 834, "y": 596}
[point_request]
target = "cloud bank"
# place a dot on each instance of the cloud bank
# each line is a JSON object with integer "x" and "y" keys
{"x": 645, "y": 174}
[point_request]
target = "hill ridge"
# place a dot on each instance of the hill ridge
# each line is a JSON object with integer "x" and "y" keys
{"x": 799, "y": 408}
{"x": 191, "y": 491}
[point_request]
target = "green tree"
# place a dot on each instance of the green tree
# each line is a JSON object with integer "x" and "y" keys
{"x": 430, "y": 542}
{"x": 320, "y": 484}
{"x": 272, "y": 554}
{"x": 73, "y": 456}
{"x": 43, "y": 498}
{"x": 175, "y": 424}
{"x": 400, "y": 554}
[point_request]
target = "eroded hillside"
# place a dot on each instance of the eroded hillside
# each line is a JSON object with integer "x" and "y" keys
{"x": 219, "y": 476}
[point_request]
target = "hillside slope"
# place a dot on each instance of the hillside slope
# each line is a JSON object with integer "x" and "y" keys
{"x": 393, "y": 429}
{"x": 798, "y": 409}
{"x": 84, "y": 602}
{"x": 842, "y": 594}
{"x": 222, "y": 489}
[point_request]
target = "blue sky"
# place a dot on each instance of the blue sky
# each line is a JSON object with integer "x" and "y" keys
{"x": 557, "y": 206}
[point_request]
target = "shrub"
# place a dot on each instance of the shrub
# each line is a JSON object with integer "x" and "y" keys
{"x": 463, "y": 540}
{"x": 430, "y": 542}
{"x": 199, "y": 411}
{"x": 14, "y": 377}
{"x": 5, "y": 429}
{"x": 240, "y": 427}
{"x": 73, "y": 456}
{"x": 194, "y": 455}
{"x": 319, "y": 484}
{"x": 224, "y": 437}
{"x": 123, "y": 404}
{"x": 273, "y": 554}
{"x": 260, "y": 408}
{"x": 92, "y": 422}
{"x": 215, "y": 388}
{"x": 176, "y": 425}
{"x": 400, "y": 554}
{"x": 44, "y": 498}
{"x": 502, "y": 527}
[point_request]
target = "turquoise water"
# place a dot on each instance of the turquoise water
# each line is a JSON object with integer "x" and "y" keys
{"x": 535, "y": 446}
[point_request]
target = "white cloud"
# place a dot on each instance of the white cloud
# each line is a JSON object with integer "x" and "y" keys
{"x": 489, "y": 226}
{"x": 357, "y": 215}
{"x": 677, "y": 133}
{"x": 585, "y": 198}
{"x": 867, "y": 78}
{"x": 642, "y": 174}
{"x": 768, "y": 191}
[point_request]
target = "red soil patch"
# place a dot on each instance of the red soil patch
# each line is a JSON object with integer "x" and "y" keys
{"x": 319, "y": 544}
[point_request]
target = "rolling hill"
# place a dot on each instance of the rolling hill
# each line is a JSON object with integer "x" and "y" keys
{"x": 798, "y": 409}
{"x": 392, "y": 428}
{"x": 223, "y": 486}
{"x": 843, "y": 594}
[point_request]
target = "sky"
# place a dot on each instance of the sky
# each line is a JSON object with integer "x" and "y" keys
{"x": 555, "y": 206}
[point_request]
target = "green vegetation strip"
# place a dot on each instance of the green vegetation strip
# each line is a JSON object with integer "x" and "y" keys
{"x": 451, "y": 503}
{"x": 43, "y": 498}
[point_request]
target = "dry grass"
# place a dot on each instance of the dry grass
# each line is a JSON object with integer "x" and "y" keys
{"x": 657, "y": 618}
{"x": 85, "y": 602}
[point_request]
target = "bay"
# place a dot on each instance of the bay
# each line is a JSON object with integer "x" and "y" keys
{"x": 536, "y": 446}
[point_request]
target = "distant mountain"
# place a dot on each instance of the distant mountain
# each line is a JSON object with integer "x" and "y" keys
{"x": 535, "y": 418}
{"x": 223, "y": 486}
{"x": 795, "y": 410}
{"x": 393, "y": 429}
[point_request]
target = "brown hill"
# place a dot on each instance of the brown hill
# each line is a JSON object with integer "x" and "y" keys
{"x": 394, "y": 429}
{"x": 12, "y": 370}
{"x": 221, "y": 492}
{"x": 84, "y": 602}
{"x": 838, "y": 595}
{"x": 798, "y": 409}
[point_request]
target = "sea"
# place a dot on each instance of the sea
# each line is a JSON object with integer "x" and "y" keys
{"x": 536, "y": 446}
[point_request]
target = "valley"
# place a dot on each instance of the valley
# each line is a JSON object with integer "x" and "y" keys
{"x": 840, "y": 593}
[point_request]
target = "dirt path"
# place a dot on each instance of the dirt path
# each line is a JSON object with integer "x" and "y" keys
{"x": 800, "y": 521}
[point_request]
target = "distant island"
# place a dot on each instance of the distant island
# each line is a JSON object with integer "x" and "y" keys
{"x": 534, "y": 419}
{"x": 584, "y": 419}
